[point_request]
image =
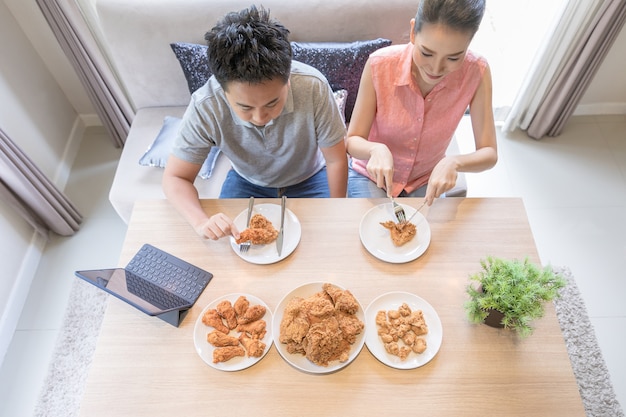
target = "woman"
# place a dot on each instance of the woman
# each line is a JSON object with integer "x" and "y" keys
{"x": 411, "y": 99}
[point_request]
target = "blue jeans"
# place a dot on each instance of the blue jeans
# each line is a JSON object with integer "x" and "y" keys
{"x": 361, "y": 186}
{"x": 235, "y": 186}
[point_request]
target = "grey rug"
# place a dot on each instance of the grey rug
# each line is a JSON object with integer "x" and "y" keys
{"x": 64, "y": 386}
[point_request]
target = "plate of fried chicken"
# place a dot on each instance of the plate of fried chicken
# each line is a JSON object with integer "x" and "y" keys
{"x": 233, "y": 332}
{"x": 319, "y": 328}
{"x": 263, "y": 231}
{"x": 403, "y": 330}
{"x": 390, "y": 241}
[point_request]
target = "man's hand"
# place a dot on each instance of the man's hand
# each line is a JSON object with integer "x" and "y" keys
{"x": 216, "y": 227}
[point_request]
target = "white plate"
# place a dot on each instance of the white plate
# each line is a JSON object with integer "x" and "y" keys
{"x": 300, "y": 361}
{"x": 377, "y": 239}
{"x": 268, "y": 254}
{"x": 205, "y": 349}
{"x": 392, "y": 301}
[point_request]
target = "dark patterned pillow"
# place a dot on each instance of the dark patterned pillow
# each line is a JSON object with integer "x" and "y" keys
{"x": 341, "y": 63}
{"x": 193, "y": 60}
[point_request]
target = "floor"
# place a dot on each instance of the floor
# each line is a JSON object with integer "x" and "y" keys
{"x": 573, "y": 186}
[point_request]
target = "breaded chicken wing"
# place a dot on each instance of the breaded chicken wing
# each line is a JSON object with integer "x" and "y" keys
{"x": 223, "y": 354}
{"x": 241, "y": 305}
{"x": 254, "y": 347}
{"x": 227, "y": 312}
{"x": 212, "y": 318}
{"x": 253, "y": 313}
{"x": 219, "y": 339}
{"x": 255, "y": 329}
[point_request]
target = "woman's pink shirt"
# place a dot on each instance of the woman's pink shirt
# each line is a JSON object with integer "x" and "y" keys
{"x": 417, "y": 129}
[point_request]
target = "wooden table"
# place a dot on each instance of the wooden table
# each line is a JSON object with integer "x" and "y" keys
{"x": 145, "y": 367}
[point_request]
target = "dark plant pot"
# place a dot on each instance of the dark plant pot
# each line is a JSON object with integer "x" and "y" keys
{"x": 494, "y": 318}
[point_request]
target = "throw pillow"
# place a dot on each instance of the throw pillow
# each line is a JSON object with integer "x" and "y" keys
{"x": 340, "y": 99}
{"x": 341, "y": 63}
{"x": 159, "y": 150}
{"x": 193, "y": 60}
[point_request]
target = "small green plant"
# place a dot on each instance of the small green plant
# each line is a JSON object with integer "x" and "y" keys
{"x": 517, "y": 289}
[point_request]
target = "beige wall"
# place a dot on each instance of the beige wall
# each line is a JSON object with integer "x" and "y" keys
{"x": 607, "y": 92}
{"x": 36, "y": 113}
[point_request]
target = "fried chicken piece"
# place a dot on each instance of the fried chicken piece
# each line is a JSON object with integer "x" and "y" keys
{"x": 317, "y": 329}
{"x": 241, "y": 305}
{"x": 318, "y": 307}
{"x": 401, "y": 233}
{"x": 294, "y": 326}
{"x": 417, "y": 322}
{"x": 254, "y": 347}
{"x": 252, "y": 313}
{"x": 213, "y": 319}
{"x": 255, "y": 329}
{"x": 324, "y": 342}
{"x": 342, "y": 299}
{"x": 400, "y": 351}
{"x": 350, "y": 326}
{"x": 227, "y": 312}
{"x": 419, "y": 346}
{"x": 402, "y": 325}
{"x": 219, "y": 339}
{"x": 260, "y": 232}
{"x": 224, "y": 354}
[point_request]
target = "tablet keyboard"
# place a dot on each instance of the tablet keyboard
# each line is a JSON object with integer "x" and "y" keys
{"x": 165, "y": 271}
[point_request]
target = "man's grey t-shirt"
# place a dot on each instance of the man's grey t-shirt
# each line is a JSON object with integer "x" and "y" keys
{"x": 282, "y": 153}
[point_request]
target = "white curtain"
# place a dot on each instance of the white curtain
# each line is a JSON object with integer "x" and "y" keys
{"x": 564, "y": 67}
{"x": 28, "y": 191}
{"x": 70, "y": 24}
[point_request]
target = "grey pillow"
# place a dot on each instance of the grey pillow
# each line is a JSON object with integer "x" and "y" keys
{"x": 341, "y": 63}
{"x": 158, "y": 152}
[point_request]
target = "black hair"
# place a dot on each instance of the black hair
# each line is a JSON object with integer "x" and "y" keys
{"x": 249, "y": 46}
{"x": 462, "y": 15}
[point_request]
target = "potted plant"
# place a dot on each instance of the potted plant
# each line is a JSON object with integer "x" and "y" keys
{"x": 511, "y": 293}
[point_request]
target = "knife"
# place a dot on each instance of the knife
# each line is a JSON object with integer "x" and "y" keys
{"x": 279, "y": 239}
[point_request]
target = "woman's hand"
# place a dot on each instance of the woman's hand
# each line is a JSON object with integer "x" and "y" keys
{"x": 442, "y": 178}
{"x": 380, "y": 167}
{"x": 216, "y": 227}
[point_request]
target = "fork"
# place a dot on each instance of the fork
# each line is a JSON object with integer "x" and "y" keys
{"x": 244, "y": 246}
{"x": 398, "y": 211}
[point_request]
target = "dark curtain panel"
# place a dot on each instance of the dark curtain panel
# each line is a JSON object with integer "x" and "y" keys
{"x": 78, "y": 43}
{"x": 26, "y": 189}
{"x": 563, "y": 96}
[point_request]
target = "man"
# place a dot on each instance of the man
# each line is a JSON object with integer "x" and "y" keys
{"x": 275, "y": 119}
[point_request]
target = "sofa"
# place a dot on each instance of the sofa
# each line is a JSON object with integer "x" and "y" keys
{"x": 138, "y": 37}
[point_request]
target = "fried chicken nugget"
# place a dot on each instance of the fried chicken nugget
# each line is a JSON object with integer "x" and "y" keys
{"x": 226, "y": 310}
{"x": 224, "y": 354}
{"x": 212, "y": 318}
{"x": 219, "y": 339}
{"x": 253, "y": 313}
